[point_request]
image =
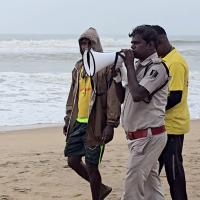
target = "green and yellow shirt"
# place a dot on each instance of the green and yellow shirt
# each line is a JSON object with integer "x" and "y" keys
{"x": 85, "y": 91}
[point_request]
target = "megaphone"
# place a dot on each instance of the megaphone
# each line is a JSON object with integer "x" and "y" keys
{"x": 95, "y": 61}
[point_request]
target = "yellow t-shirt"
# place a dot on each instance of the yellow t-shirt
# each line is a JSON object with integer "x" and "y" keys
{"x": 177, "y": 118}
{"x": 85, "y": 91}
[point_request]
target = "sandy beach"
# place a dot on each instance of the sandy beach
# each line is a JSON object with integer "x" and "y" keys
{"x": 32, "y": 166}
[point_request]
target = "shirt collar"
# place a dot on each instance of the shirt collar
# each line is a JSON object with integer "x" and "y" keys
{"x": 169, "y": 54}
{"x": 148, "y": 60}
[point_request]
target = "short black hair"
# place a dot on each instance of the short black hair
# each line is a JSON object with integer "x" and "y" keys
{"x": 160, "y": 30}
{"x": 147, "y": 33}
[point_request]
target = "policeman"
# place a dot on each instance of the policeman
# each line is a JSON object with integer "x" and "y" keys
{"x": 144, "y": 98}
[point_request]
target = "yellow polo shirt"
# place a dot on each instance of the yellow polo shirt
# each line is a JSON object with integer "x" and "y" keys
{"x": 84, "y": 96}
{"x": 177, "y": 118}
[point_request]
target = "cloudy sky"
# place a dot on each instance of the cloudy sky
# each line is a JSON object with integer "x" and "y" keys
{"x": 179, "y": 17}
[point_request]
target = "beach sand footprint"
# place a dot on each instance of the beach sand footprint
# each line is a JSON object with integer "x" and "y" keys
{"x": 8, "y": 163}
{"x": 22, "y": 190}
{"x": 56, "y": 197}
{"x": 22, "y": 172}
{"x": 44, "y": 161}
{"x": 5, "y": 197}
{"x": 77, "y": 195}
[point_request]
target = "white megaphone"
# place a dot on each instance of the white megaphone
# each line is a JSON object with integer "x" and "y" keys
{"x": 95, "y": 61}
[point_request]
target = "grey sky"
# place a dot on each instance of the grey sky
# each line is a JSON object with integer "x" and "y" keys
{"x": 179, "y": 17}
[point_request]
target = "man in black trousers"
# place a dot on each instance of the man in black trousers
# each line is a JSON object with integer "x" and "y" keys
{"x": 177, "y": 117}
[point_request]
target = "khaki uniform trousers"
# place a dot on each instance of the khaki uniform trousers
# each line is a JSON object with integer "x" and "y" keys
{"x": 142, "y": 181}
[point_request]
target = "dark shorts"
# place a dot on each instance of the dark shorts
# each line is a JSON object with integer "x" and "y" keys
{"x": 75, "y": 145}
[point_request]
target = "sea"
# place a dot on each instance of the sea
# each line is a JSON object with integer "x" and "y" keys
{"x": 35, "y": 75}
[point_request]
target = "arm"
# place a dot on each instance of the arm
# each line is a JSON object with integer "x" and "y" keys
{"x": 69, "y": 104}
{"x": 113, "y": 112}
{"x": 120, "y": 91}
{"x": 113, "y": 106}
{"x": 173, "y": 99}
{"x": 117, "y": 78}
{"x": 137, "y": 91}
{"x": 176, "y": 84}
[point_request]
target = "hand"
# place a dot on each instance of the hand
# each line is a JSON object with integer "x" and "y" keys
{"x": 129, "y": 57}
{"x": 66, "y": 119}
{"x": 108, "y": 133}
{"x": 65, "y": 130}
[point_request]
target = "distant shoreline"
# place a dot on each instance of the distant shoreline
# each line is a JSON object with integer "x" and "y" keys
{"x": 39, "y": 36}
{"x": 7, "y": 129}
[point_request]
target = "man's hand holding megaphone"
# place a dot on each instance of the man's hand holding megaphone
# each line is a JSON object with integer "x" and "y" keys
{"x": 119, "y": 72}
{"x": 128, "y": 57}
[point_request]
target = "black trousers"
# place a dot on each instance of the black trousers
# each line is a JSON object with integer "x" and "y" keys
{"x": 171, "y": 158}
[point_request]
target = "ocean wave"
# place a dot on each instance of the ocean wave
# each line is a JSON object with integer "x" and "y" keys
{"x": 65, "y": 48}
{"x": 55, "y": 46}
{"x": 41, "y": 97}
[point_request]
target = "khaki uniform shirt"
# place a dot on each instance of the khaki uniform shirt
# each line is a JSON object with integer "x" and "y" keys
{"x": 141, "y": 115}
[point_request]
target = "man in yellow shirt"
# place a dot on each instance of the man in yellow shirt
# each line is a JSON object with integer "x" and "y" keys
{"x": 177, "y": 115}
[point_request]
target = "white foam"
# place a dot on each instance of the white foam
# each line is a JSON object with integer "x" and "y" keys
{"x": 39, "y": 98}
{"x": 38, "y": 46}
{"x": 194, "y": 97}
{"x": 33, "y": 98}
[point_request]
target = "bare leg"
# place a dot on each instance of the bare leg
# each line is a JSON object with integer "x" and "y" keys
{"x": 78, "y": 166}
{"x": 95, "y": 180}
